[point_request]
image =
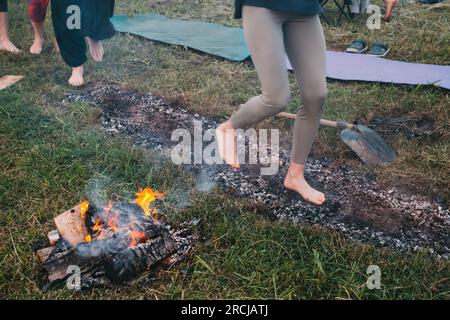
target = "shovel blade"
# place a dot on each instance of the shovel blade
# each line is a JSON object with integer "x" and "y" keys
{"x": 368, "y": 145}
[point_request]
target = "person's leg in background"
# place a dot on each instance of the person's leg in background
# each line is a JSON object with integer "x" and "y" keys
{"x": 264, "y": 35}
{"x": 306, "y": 49}
{"x": 98, "y": 26}
{"x": 355, "y": 7}
{"x": 5, "y": 43}
{"x": 389, "y": 7}
{"x": 37, "y": 12}
{"x": 359, "y": 6}
{"x": 72, "y": 44}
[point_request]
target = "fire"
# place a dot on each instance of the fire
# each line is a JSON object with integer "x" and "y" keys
{"x": 84, "y": 207}
{"x": 145, "y": 198}
{"x": 136, "y": 237}
{"x": 109, "y": 222}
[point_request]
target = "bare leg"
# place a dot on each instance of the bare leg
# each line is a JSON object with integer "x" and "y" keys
{"x": 77, "y": 79}
{"x": 96, "y": 50}
{"x": 5, "y": 43}
{"x": 390, "y": 5}
{"x": 38, "y": 28}
{"x": 295, "y": 181}
{"x": 226, "y": 140}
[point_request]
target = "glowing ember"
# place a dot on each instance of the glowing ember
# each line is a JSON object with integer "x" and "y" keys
{"x": 136, "y": 237}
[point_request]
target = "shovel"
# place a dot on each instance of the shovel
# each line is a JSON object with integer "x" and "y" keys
{"x": 365, "y": 142}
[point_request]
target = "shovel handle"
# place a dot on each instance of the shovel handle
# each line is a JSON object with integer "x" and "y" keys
{"x": 323, "y": 122}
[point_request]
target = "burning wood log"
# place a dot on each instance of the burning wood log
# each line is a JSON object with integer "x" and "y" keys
{"x": 118, "y": 241}
{"x": 127, "y": 264}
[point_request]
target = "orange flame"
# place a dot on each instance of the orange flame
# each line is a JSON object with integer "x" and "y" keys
{"x": 101, "y": 230}
{"x": 146, "y": 197}
{"x": 136, "y": 237}
{"x": 84, "y": 207}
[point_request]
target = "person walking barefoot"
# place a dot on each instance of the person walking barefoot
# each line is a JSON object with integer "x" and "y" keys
{"x": 37, "y": 11}
{"x": 95, "y": 27}
{"x": 273, "y": 28}
{"x": 5, "y": 42}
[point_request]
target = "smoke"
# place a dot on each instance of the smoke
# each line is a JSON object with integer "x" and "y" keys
{"x": 204, "y": 182}
{"x": 95, "y": 190}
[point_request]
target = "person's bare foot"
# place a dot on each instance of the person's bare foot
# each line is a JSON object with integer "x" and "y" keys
{"x": 36, "y": 47}
{"x": 96, "y": 50}
{"x": 295, "y": 181}
{"x": 226, "y": 141}
{"x": 8, "y": 46}
{"x": 77, "y": 79}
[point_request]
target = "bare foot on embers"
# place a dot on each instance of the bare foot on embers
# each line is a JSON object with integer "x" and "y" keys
{"x": 295, "y": 181}
{"x": 227, "y": 143}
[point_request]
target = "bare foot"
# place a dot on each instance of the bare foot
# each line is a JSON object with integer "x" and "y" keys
{"x": 36, "y": 48}
{"x": 96, "y": 50}
{"x": 77, "y": 79}
{"x": 8, "y": 46}
{"x": 226, "y": 140}
{"x": 295, "y": 181}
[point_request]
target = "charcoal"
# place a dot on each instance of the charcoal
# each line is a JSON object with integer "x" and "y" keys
{"x": 129, "y": 263}
{"x": 102, "y": 248}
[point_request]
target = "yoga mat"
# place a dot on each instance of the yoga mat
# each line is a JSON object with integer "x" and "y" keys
{"x": 361, "y": 67}
{"x": 229, "y": 43}
{"x": 7, "y": 81}
{"x": 211, "y": 38}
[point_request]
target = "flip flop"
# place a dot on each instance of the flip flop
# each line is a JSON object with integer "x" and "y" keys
{"x": 357, "y": 46}
{"x": 378, "y": 49}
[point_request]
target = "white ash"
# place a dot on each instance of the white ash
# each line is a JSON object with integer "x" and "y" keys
{"x": 356, "y": 205}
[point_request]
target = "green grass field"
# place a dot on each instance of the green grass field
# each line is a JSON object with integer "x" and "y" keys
{"x": 49, "y": 152}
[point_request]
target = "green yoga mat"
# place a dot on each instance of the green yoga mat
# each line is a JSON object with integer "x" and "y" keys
{"x": 211, "y": 38}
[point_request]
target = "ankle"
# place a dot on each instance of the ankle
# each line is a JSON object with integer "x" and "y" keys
{"x": 227, "y": 125}
{"x": 296, "y": 171}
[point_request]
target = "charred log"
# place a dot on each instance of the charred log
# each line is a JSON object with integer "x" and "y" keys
{"x": 127, "y": 264}
{"x": 119, "y": 241}
{"x": 102, "y": 248}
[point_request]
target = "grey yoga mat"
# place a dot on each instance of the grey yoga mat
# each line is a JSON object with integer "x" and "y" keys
{"x": 229, "y": 43}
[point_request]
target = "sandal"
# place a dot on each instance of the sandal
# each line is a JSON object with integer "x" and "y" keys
{"x": 357, "y": 46}
{"x": 378, "y": 49}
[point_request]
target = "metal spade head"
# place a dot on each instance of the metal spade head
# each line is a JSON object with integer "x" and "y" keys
{"x": 368, "y": 145}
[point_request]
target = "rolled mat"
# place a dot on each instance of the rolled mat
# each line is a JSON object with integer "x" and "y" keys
{"x": 229, "y": 43}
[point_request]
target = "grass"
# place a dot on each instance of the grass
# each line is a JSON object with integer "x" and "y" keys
{"x": 50, "y": 153}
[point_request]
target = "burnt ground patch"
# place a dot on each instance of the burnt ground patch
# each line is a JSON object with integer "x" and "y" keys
{"x": 356, "y": 205}
{"x": 412, "y": 126}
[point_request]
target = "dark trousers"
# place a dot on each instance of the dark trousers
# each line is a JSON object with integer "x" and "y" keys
{"x": 3, "y": 5}
{"x": 95, "y": 24}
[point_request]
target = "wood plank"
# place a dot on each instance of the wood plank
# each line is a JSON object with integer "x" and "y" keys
{"x": 53, "y": 237}
{"x": 43, "y": 254}
{"x": 71, "y": 226}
